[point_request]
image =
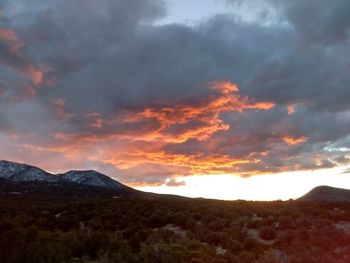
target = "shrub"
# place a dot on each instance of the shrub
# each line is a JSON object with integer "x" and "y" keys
{"x": 267, "y": 233}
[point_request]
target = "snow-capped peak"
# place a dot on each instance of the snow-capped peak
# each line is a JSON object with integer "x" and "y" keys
{"x": 19, "y": 172}
{"x": 23, "y": 172}
{"x": 91, "y": 178}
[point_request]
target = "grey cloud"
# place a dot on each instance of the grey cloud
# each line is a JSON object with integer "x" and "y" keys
{"x": 107, "y": 57}
{"x": 319, "y": 21}
{"x": 174, "y": 183}
{"x": 322, "y": 21}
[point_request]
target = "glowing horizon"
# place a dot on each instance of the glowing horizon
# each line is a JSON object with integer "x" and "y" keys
{"x": 268, "y": 187}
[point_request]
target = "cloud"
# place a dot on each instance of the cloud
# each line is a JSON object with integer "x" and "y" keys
{"x": 11, "y": 51}
{"x": 315, "y": 21}
{"x": 326, "y": 24}
{"x": 174, "y": 183}
{"x": 60, "y": 109}
{"x": 147, "y": 103}
{"x": 35, "y": 74}
{"x": 292, "y": 140}
{"x": 8, "y": 35}
{"x": 291, "y": 109}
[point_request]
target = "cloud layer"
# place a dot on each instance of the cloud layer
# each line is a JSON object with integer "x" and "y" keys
{"x": 98, "y": 84}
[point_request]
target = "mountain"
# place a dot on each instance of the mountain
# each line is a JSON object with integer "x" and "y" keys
{"x": 91, "y": 178}
{"x": 327, "y": 194}
{"x": 19, "y": 172}
{"x": 28, "y": 178}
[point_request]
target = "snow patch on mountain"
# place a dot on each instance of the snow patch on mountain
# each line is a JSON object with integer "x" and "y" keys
{"x": 91, "y": 178}
{"x": 19, "y": 172}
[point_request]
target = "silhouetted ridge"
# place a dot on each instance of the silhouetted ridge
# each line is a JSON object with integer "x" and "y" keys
{"x": 327, "y": 194}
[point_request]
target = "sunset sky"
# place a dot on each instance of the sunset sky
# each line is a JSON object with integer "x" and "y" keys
{"x": 229, "y": 99}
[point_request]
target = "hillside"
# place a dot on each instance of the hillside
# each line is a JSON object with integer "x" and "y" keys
{"x": 169, "y": 230}
{"x": 327, "y": 194}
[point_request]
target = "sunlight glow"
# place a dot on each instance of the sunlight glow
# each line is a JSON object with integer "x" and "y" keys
{"x": 284, "y": 186}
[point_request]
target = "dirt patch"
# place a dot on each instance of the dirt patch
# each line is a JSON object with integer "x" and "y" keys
{"x": 254, "y": 233}
{"x": 176, "y": 230}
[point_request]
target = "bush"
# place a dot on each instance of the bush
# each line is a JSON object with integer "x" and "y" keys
{"x": 267, "y": 233}
{"x": 285, "y": 222}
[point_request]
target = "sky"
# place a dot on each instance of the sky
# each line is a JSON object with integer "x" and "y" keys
{"x": 228, "y": 99}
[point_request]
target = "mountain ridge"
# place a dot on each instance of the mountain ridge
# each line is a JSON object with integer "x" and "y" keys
{"x": 20, "y": 172}
{"x": 14, "y": 173}
{"x": 324, "y": 193}
{"x": 91, "y": 177}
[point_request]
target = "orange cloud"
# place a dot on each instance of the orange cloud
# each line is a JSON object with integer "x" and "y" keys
{"x": 168, "y": 124}
{"x": 97, "y": 121}
{"x": 225, "y": 87}
{"x": 208, "y": 113}
{"x": 140, "y": 137}
{"x": 292, "y": 140}
{"x": 291, "y": 109}
{"x": 60, "y": 109}
{"x": 10, "y": 36}
{"x": 7, "y": 35}
{"x": 196, "y": 163}
{"x": 36, "y": 77}
{"x": 35, "y": 74}
{"x": 11, "y": 133}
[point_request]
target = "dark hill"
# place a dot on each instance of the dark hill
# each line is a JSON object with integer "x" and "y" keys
{"x": 327, "y": 194}
{"x": 23, "y": 179}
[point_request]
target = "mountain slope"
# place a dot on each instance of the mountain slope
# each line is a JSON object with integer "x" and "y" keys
{"x": 91, "y": 178}
{"x": 19, "y": 172}
{"x": 28, "y": 177}
{"x": 327, "y": 194}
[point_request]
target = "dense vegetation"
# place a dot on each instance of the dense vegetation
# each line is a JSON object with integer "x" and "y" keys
{"x": 170, "y": 229}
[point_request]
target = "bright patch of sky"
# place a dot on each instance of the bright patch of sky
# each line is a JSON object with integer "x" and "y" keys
{"x": 283, "y": 186}
{"x": 191, "y": 11}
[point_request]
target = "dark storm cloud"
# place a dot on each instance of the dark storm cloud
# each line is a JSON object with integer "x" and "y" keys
{"x": 329, "y": 22}
{"x": 316, "y": 21}
{"x": 98, "y": 85}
